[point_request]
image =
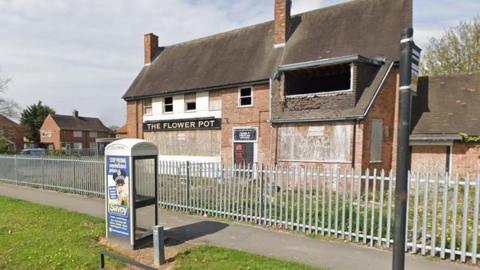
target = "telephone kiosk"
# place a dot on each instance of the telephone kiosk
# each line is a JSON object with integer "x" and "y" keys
{"x": 131, "y": 207}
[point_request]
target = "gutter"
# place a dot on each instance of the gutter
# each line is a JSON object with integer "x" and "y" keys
{"x": 188, "y": 91}
{"x": 451, "y": 137}
{"x": 327, "y": 62}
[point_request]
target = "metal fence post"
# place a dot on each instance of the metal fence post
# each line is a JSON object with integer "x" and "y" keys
{"x": 15, "y": 168}
{"x": 43, "y": 173}
{"x": 158, "y": 246}
{"x": 188, "y": 185}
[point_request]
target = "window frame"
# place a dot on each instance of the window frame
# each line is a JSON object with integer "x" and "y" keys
{"x": 190, "y": 100}
{"x": 76, "y": 132}
{"x": 93, "y": 132}
{"x": 240, "y": 97}
{"x": 149, "y": 107}
{"x": 169, "y": 104}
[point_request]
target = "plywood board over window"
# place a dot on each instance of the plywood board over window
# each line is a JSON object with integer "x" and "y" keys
{"x": 376, "y": 140}
{"x": 187, "y": 143}
{"x": 315, "y": 143}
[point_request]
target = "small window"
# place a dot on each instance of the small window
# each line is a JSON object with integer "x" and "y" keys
{"x": 46, "y": 133}
{"x": 245, "y": 97}
{"x": 147, "y": 106}
{"x": 190, "y": 102}
{"x": 93, "y": 134}
{"x": 66, "y": 146}
{"x": 77, "y": 134}
{"x": 93, "y": 146}
{"x": 376, "y": 142}
{"x": 77, "y": 146}
{"x": 168, "y": 104}
{"x": 215, "y": 101}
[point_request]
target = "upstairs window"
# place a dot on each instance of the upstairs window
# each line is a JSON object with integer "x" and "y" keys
{"x": 318, "y": 80}
{"x": 147, "y": 106}
{"x": 190, "y": 102}
{"x": 245, "y": 97}
{"x": 168, "y": 104}
{"x": 93, "y": 134}
{"x": 215, "y": 101}
{"x": 77, "y": 134}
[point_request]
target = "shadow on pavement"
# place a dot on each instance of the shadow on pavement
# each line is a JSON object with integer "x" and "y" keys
{"x": 178, "y": 235}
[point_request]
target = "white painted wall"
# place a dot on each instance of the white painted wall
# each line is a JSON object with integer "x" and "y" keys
{"x": 179, "y": 109}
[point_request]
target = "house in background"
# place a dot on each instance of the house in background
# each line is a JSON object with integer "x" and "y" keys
{"x": 13, "y": 134}
{"x": 72, "y": 132}
{"x": 444, "y": 108}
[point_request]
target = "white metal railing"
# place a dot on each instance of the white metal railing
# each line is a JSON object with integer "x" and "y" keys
{"x": 346, "y": 204}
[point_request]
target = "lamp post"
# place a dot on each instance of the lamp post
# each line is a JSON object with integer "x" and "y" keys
{"x": 409, "y": 60}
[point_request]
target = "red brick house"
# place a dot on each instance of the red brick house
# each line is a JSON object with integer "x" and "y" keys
{"x": 72, "y": 132}
{"x": 315, "y": 88}
{"x": 13, "y": 134}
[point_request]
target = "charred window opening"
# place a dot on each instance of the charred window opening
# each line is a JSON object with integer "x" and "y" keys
{"x": 318, "y": 80}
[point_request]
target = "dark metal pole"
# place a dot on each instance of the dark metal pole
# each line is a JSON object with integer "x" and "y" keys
{"x": 403, "y": 150}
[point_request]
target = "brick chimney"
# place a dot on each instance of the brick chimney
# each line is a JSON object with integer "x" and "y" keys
{"x": 75, "y": 113}
{"x": 151, "y": 47}
{"x": 282, "y": 21}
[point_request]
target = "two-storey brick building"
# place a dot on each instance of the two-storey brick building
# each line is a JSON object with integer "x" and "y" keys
{"x": 12, "y": 134}
{"x": 315, "y": 88}
{"x": 72, "y": 132}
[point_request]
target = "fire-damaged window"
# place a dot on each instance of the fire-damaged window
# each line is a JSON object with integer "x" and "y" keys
{"x": 168, "y": 104}
{"x": 318, "y": 80}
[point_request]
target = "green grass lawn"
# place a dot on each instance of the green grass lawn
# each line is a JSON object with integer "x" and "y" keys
{"x": 39, "y": 237}
{"x": 215, "y": 258}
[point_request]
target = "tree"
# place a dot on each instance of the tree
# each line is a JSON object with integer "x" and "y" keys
{"x": 457, "y": 51}
{"x": 32, "y": 118}
{"x": 7, "y": 107}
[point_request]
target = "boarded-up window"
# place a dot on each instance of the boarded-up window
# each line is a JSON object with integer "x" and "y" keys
{"x": 315, "y": 143}
{"x": 215, "y": 101}
{"x": 187, "y": 143}
{"x": 376, "y": 140}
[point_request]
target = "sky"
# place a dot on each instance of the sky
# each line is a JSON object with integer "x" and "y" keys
{"x": 84, "y": 54}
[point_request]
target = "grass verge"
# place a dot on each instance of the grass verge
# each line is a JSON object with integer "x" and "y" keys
{"x": 215, "y": 258}
{"x": 40, "y": 237}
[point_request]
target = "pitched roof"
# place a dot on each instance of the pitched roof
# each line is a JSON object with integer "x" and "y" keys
{"x": 366, "y": 27}
{"x": 447, "y": 105}
{"x": 69, "y": 122}
{"x": 5, "y": 121}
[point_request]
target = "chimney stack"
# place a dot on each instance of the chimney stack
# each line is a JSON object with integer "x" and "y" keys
{"x": 151, "y": 47}
{"x": 75, "y": 113}
{"x": 282, "y": 22}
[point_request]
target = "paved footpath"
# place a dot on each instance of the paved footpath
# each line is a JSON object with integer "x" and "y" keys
{"x": 335, "y": 255}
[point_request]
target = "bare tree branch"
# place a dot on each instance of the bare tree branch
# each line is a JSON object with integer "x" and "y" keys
{"x": 8, "y": 107}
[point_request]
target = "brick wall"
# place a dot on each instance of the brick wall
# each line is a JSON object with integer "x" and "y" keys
{"x": 134, "y": 119}
{"x": 382, "y": 108}
{"x": 465, "y": 158}
{"x": 254, "y": 116}
{"x": 429, "y": 158}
